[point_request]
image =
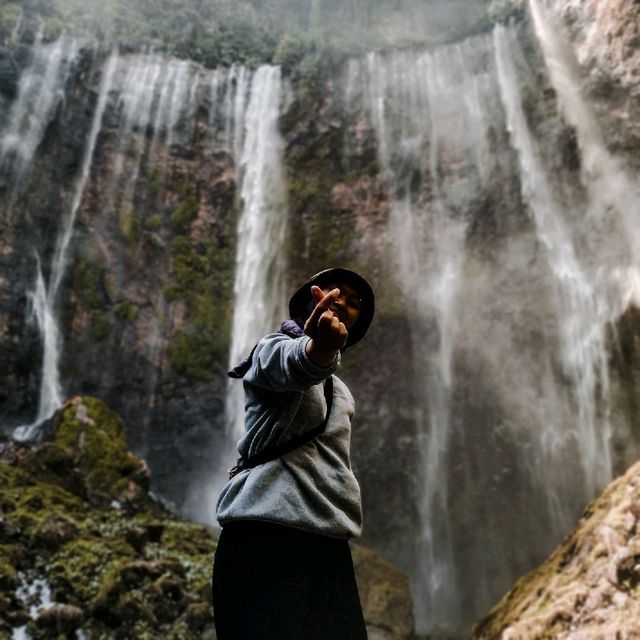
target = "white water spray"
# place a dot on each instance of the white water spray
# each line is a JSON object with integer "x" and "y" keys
{"x": 157, "y": 97}
{"x": 429, "y": 114}
{"x": 614, "y": 198}
{"x": 40, "y": 92}
{"x": 581, "y": 315}
{"x": 258, "y": 285}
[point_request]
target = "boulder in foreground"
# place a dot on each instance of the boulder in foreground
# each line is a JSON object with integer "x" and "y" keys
{"x": 590, "y": 585}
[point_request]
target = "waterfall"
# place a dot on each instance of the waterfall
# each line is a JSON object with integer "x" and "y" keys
{"x": 235, "y": 106}
{"x": 40, "y": 91}
{"x": 526, "y": 321}
{"x": 578, "y": 309}
{"x": 44, "y": 299}
{"x": 176, "y": 101}
{"x": 429, "y": 114}
{"x": 258, "y": 284}
{"x": 613, "y": 197}
{"x": 50, "y": 388}
{"x": 156, "y": 96}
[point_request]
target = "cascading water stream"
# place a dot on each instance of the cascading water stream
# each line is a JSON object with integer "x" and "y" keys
{"x": 414, "y": 101}
{"x": 437, "y": 118}
{"x": 578, "y": 309}
{"x": 44, "y": 299}
{"x": 235, "y": 108}
{"x": 261, "y": 228}
{"x": 40, "y": 91}
{"x": 613, "y": 197}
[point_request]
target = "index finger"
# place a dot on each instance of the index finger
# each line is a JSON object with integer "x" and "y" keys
{"x": 321, "y": 307}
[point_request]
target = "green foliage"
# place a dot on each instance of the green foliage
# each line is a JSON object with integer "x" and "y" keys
{"x": 9, "y": 16}
{"x": 202, "y": 279}
{"x": 192, "y": 355}
{"x": 129, "y": 224}
{"x": 223, "y": 32}
{"x": 290, "y": 52}
{"x": 185, "y": 213}
{"x": 90, "y": 287}
{"x": 100, "y": 325}
{"x": 153, "y": 222}
{"x": 126, "y": 310}
{"x": 88, "y": 283}
{"x": 155, "y": 180}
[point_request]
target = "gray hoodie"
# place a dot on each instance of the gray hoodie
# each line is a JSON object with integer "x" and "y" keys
{"x": 312, "y": 487}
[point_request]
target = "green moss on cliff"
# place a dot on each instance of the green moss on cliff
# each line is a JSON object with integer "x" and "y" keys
{"x": 88, "y": 283}
{"x": 202, "y": 277}
{"x": 185, "y": 213}
{"x": 129, "y": 224}
{"x": 91, "y": 290}
{"x": 126, "y": 310}
{"x": 192, "y": 355}
{"x": 101, "y": 452}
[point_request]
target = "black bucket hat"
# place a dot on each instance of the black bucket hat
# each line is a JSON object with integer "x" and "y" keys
{"x": 301, "y": 303}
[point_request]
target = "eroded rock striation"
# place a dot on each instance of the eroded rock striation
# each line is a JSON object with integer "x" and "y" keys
{"x": 588, "y": 588}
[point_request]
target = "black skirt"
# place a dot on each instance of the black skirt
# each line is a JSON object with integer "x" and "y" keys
{"x": 272, "y": 582}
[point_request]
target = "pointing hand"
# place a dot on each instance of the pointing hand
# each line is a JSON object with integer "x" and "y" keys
{"x": 328, "y": 335}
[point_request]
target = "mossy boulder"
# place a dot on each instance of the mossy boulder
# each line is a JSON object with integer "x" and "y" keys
{"x": 385, "y": 596}
{"x": 76, "y": 554}
{"x": 84, "y": 546}
{"x": 94, "y": 437}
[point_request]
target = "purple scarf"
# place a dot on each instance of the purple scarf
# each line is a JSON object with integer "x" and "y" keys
{"x": 288, "y": 327}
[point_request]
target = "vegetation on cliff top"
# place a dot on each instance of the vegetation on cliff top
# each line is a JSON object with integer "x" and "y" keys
{"x": 222, "y": 32}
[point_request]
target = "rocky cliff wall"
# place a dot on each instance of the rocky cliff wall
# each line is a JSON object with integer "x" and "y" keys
{"x": 475, "y": 344}
{"x": 605, "y": 37}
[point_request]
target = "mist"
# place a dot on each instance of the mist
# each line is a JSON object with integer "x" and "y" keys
{"x": 216, "y": 32}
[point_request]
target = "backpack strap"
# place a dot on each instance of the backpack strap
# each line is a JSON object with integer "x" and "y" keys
{"x": 290, "y": 445}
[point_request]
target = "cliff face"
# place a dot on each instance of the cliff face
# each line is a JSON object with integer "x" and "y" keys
{"x": 496, "y": 389}
{"x": 605, "y": 37}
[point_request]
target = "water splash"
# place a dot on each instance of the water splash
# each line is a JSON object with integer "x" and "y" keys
{"x": 36, "y": 595}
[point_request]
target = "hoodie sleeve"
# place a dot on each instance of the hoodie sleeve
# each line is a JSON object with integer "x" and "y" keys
{"x": 281, "y": 363}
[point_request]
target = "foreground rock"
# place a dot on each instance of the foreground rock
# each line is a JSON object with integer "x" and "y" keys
{"x": 385, "y": 596}
{"x": 589, "y": 587}
{"x": 84, "y": 547}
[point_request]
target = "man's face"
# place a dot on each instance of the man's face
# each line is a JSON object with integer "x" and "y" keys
{"x": 347, "y": 305}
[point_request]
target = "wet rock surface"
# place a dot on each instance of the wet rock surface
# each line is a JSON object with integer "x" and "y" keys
{"x": 606, "y": 39}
